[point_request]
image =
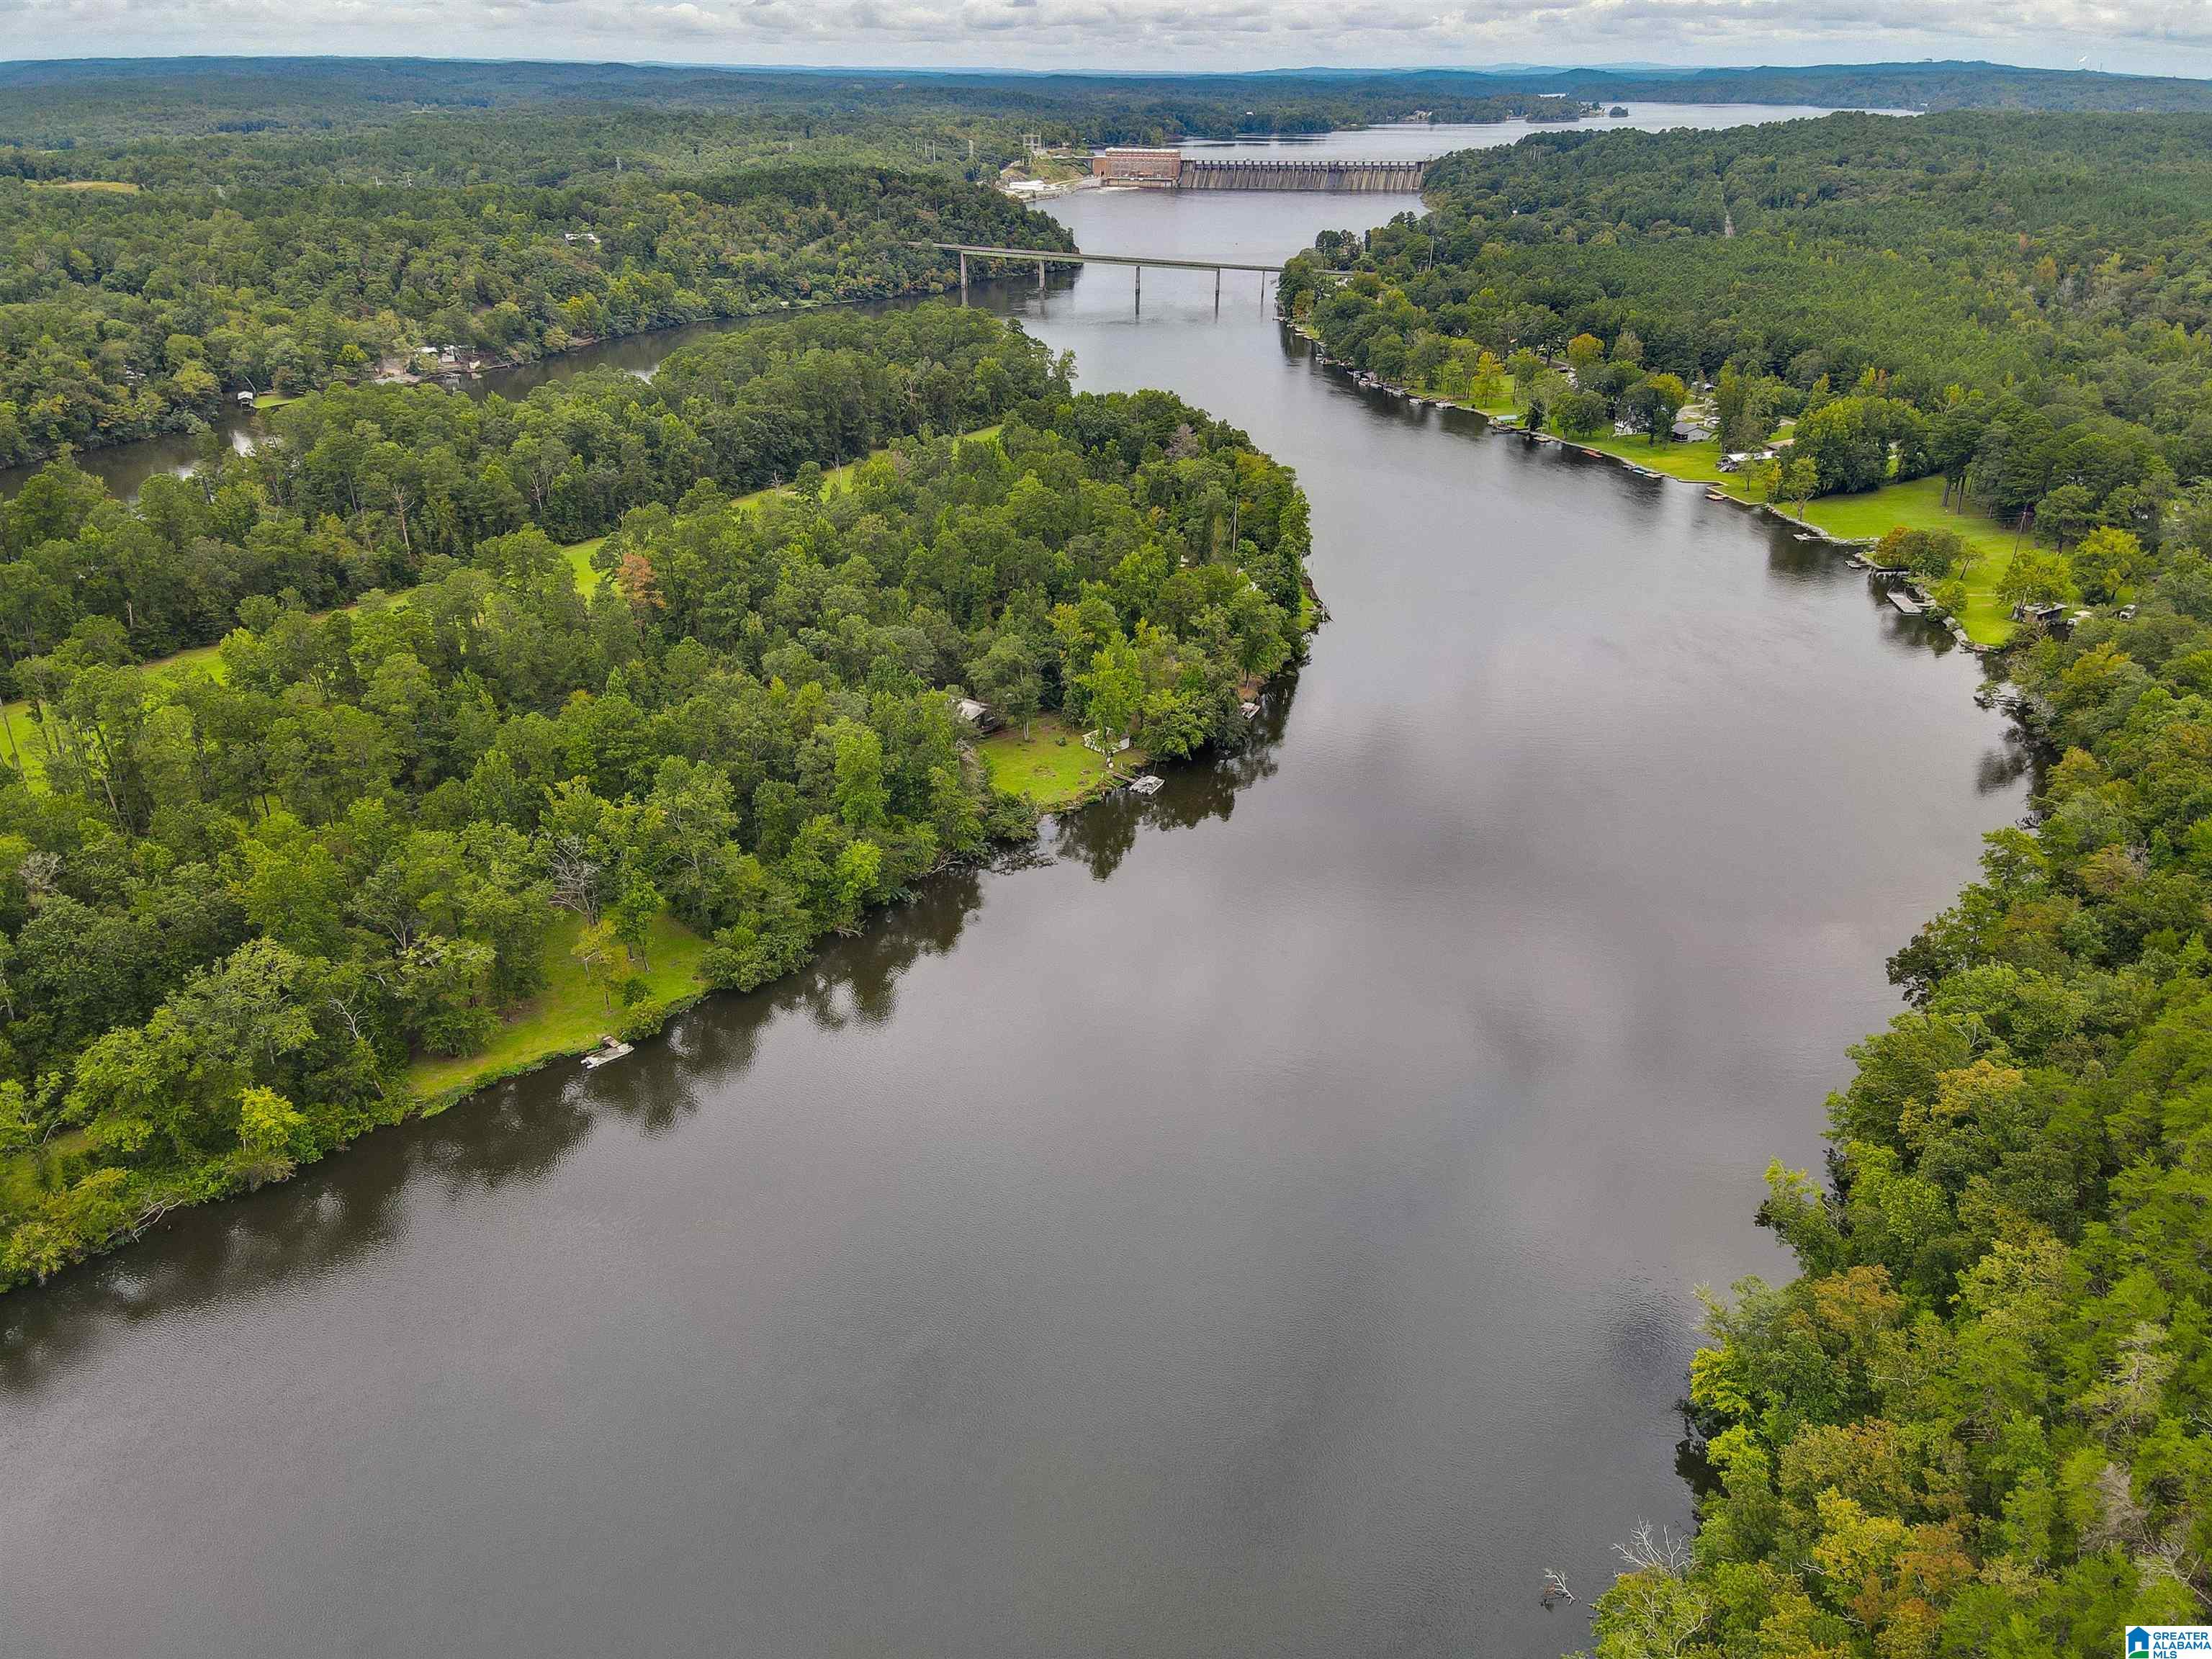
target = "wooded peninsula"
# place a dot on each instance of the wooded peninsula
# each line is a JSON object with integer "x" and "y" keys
{"x": 426, "y": 768}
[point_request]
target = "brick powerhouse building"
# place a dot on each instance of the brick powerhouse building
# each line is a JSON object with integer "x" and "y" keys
{"x": 1137, "y": 166}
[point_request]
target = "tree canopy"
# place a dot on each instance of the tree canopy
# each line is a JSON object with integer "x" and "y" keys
{"x": 2009, "y": 301}
{"x": 238, "y": 897}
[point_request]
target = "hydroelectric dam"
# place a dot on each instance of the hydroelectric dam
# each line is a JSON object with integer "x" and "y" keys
{"x": 1398, "y": 178}
{"x": 1170, "y": 169}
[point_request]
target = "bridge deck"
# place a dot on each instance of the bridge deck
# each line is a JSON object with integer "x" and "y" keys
{"x": 1056, "y": 257}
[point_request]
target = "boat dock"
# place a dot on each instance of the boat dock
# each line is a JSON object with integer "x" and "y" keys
{"x": 1904, "y": 602}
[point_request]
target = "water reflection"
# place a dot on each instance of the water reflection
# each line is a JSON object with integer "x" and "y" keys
{"x": 512, "y": 1134}
{"x": 1101, "y": 835}
{"x": 519, "y": 1131}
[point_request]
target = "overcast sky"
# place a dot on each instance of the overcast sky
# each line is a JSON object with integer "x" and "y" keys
{"x": 2169, "y": 37}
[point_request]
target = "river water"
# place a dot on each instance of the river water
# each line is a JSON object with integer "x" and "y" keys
{"x": 1259, "y": 1219}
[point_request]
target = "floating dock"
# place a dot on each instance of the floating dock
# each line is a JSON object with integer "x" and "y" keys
{"x": 609, "y": 1049}
{"x": 1904, "y": 602}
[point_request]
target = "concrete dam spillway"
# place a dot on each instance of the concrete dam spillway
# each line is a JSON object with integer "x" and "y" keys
{"x": 1170, "y": 169}
{"x": 1400, "y": 178}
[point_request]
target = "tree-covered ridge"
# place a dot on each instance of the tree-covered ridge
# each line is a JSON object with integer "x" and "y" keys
{"x": 366, "y": 484}
{"x": 53, "y": 105}
{"x": 2016, "y": 302}
{"x": 240, "y": 897}
{"x": 124, "y": 314}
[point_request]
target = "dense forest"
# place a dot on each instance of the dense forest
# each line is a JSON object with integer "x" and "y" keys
{"x": 51, "y": 105}
{"x": 238, "y": 897}
{"x": 2015, "y": 302}
{"x": 123, "y": 313}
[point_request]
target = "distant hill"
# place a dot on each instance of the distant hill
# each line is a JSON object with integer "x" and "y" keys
{"x": 46, "y": 104}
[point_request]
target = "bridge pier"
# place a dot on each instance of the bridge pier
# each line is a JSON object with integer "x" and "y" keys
{"x": 1139, "y": 290}
{"x": 963, "y": 279}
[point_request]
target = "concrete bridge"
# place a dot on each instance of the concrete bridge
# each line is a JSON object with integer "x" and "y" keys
{"x": 1041, "y": 257}
{"x": 1401, "y": 178}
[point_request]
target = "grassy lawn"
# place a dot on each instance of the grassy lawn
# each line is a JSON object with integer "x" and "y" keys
{"x": 1868, "y": 517}
{"x": 20, "y": 742}
{"x": 569, "y": 1016}
{"x": 1920, "y": 506}
{"x": 1052, "y": 769}
{"x": 1501, "y": 408}
{"x": 1698, "y": 462}
{"x": 580, "y": 559}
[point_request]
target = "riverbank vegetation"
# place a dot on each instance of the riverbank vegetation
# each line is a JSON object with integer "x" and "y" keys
{"x": 393, "y": 848}
{"x": 2001, "y": 302}
{"x": 1977, "y": 1420}
{"x": 1892, "y": 522}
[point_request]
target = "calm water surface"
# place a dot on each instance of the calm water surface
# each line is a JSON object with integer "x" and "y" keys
{"x": 1257, "y": 1220}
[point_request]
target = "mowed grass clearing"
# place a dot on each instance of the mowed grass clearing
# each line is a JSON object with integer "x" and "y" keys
{"x": 1918, "y": 505}
{"x": 579, "y": 556}
{"x": 1051, "y": 768}
{"x": 1868, "y": 517}
{"x": 569, "y": 1016}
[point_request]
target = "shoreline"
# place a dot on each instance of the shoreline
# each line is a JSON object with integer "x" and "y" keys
{"x": 417, "y": 1098}
{"x": 1858, "y": 548}
{"x": 642, "y": 1021}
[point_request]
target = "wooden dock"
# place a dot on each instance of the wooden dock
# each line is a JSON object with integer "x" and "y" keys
{"x": 1904, "y": 602}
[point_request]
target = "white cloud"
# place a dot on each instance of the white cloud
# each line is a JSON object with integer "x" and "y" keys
{"x": 2150, "y": 36}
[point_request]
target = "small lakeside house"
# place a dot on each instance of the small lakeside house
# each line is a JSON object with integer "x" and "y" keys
{"x": 977, "y": 714}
